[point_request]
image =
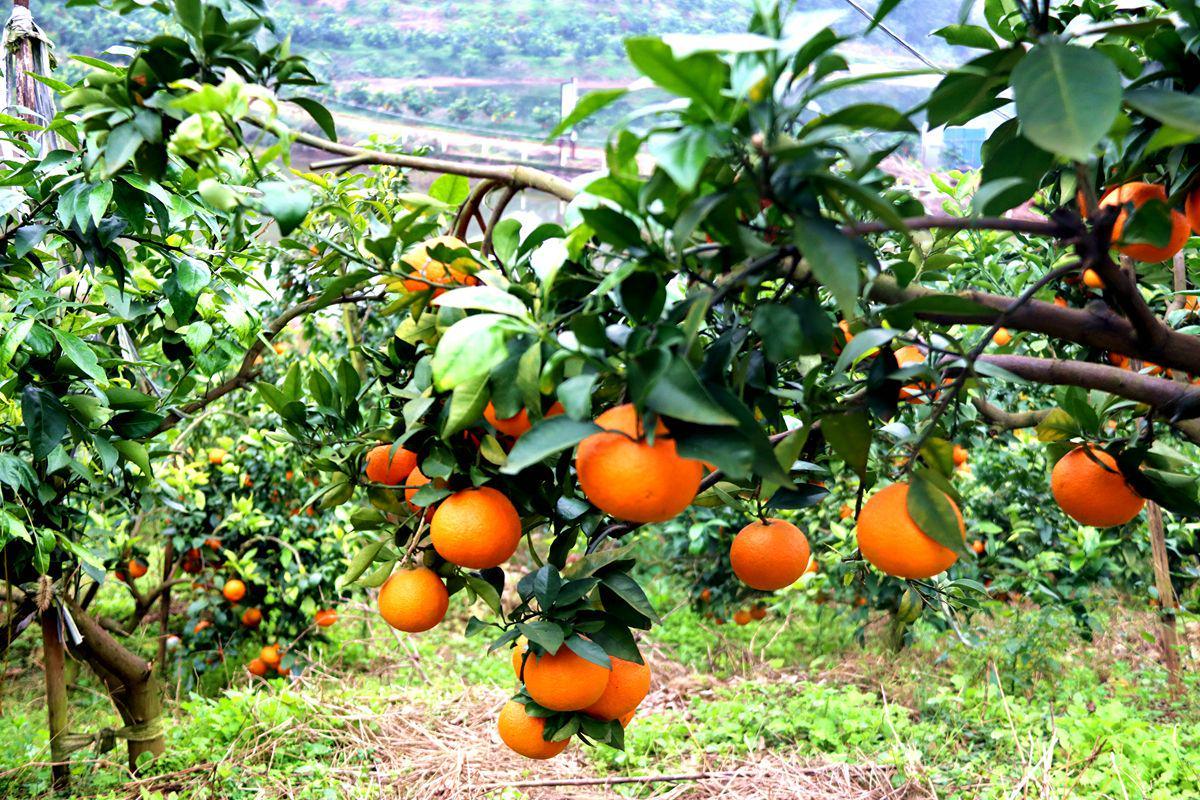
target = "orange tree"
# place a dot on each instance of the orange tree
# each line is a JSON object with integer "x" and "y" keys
{"x": 754, "y": 298}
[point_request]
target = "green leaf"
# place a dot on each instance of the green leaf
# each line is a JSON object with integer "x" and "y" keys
{"x": 288, "y": 203}
{"x": 587, "y": 649}
{"x": 934, "y": 513}
{"x": 678, "y": 393}
{"x": 450, "y": 189}
{"x": 135, "y": 452}
{"x": 120, "y": 146}
{"x": 319, "y": 114}
{"x": 551, "y": 435}
{"x": 875, "y": 116}
{"x": 576, "y": 395}
{"x": 1067, "y": 98}
{"x": 467, "y": 402}
{"x": 832, "y": 258}
{"x": 544, "y": 634}
{"x": 483, "y": 298}
{"x": 79, "y": 354}
{"x": 45, "y": 419}
{"x": 469, "y": 348}
{"x": 967, "y": 36}
{"x": 850, "y": 437}
{"x": 1179, "y": 110}
{"x": 699, "y": 77}
{"x": 589, "y": 104}
{"x": 626, "y": 588}
{"x": 683, "y": 154}
{"x": 546, "y": 583}
{"x": 12, "y": 339}
{"x": 361, "y": 561}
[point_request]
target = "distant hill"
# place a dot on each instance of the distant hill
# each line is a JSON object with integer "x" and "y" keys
{"x": 491, "y": 64}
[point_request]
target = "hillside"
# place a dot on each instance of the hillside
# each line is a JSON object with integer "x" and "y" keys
{"x": 494, "y": 64}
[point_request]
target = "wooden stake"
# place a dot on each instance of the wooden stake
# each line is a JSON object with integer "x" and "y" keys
{"x": 54, "y": 657}
{"x": 1168, "y": 635}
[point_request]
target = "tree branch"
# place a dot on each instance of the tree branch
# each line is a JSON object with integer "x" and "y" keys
{"x": 518, "y": 176}
{"x": 1008, "y": 420}
{"x": 1036, "y": 227}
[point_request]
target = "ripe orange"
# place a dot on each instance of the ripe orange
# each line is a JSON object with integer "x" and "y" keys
{"x": 234, "y": 590}
{"x": 769, "y": 554}
{"x": 391, "y": 471}
{"x": 201, "y": 625}
{"x": 518, "y": 656}
{"x": 625, "y": 720}
{"x": 137, "y": 568}
{"x": 812, "y": 567}
{"x": 629, "y": 479}
{"x": 978, "y": 547}
{"x": 564, "y": 681}
{"x": 251, "y": 617}
{"x": 216, "y": 456}
{"x": 1092, "y": 494}
{"x": 213, "y": 543}
{"x": 424, "y": 266}
{"x": 516, "y": 425}
{"x": 742, "y": 617}
{"x": 270, "y": 655}
{"x": 1092, "y": 279}
{"x": 524, "y": 734}
{"x": 257, "y": 667}
{"x": 960, "y": 455}
{"x": 1060, "y": 301}
{"x": 627, "y": 686}
{"x": 907, "y": 356}
{"x": 1001, "y": 337}
{"x": 414, "y": 483}
{"x": 413, "y": 600}
{"x": 476, "y": 528}
{"x": 1138, "y": 193}
{"x": 889, "y": 539}
{"x": 326, "y": 617}
{"x": 758, "y": 612}
{"x": 845, "y": 512}
{"x": 1191, "y": 209}
{"x": 705, "y": 595}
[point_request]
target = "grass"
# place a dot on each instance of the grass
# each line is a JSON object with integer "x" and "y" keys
{"x": 1031, "y": 707}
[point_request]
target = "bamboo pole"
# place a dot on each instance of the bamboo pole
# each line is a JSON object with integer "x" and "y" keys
{"x": 54, "y": 666}
{"x": 1168, "y": 635}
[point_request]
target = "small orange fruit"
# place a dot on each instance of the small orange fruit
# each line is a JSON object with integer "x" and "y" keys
{"x": 705, "y": 595}
{"x": 476, "y": 528}
{"x": 257, "y": 667}
{"x": 908, "y": 356}
{"x": 1138, "y": 193}
{"x": 1092, "y": 279}
{"x": 384, "y": 466}
{"x": 1060, "y": 301}
{"x": 1093, "y": 493}
{"x": 270, "y": 655}
{"x": 889, "y": 539}
{"x": 564, "y": 681}
{"x": 758, "y": 612}
{"x": 960, "y": 455}
{"x": 252, "y": 617}
{"x": 413, "y": 600}
{"x": 1001, "y": 337}
{"x": 524, "y": 734}
{"x": 978, "y": 547}
{"x": 326, "y": 617}
{"x": 234, "y": 590}
{"x": 216, "y": 456}
{"x": 627, "y": 686}
{"x": 425, "y": 266}
{"x": 845, "y": 512}
{"x": 813, "y": 567}
{"x": 202, "y": 625}
{"x": 516, "y": 425}
{"x": 769, "y": 554}
{"x": 742, "y": 617}
{"x": 213, "y": 543}
{"x": 627, "y": 478}
{"x": 413, "y": 485}
{"x": 1191, "y": 209}
{"x": 137, "y": 568}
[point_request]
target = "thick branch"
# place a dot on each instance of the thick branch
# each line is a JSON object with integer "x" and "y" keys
{"x": 1095, "y": 326}
{"x": 517, "y": 176}
{"x": 1031, "y": 226}
{"x": 1008, "y": 420}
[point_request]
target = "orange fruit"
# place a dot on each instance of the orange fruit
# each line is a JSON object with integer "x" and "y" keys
{"x": 137, "y": 568}
{"x": 251, "y": 617}
{"x": 1092, "y": 494}
{"x": 627, "y": 686}
{"x": 424, "y": 266}
{"x": 234, "y": 590}
{"x": 812, "y": 567}
{"x": 1092, "y": 279}
{"x": 625, "y": 720}
{"x": 960, "y": 455}
{"x": 629, "y": 479}
{"x": 325, "y": 617}
{"x": 844, "y": 327}
{"x": 758, "y": 612}
{"x": 742, "y": 617}
{"x": 845, "y": 512}
{"x": 216, "y": 456}
{"x": 391, "y": 471}
{"x": 270, "y": 655}
{"x": 213, "y": 543}
{"x": 889, "y": 539}
{"x": 413, "y": 600}
{"x": 476, "y": 528}
{"x": 1060, "y": 301}
{"x": 917, "y": 393}
{"x": 769, "y": 554}
{"x": 518, "y": 656}
{"x": 705, "y": 595}
{"x": 1191, "y": 209}
{"x": 1138, "y": 193}
{"x": 1001, "y": 337}
{"x": 524, "y": 734}
{"x": 201, "y": 625}
{"x": 516, "y": 425}
{"x": 414, "y": 483}
{"x": 564, "y": 681}
{"x": 257, "y": 667}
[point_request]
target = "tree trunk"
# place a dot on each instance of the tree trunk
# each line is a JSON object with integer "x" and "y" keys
{"x": 54, "y": 658}
{"x": 1168, "y": 635}
{"x": 132, "y": 683}
{"x": 164, "y": 623}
